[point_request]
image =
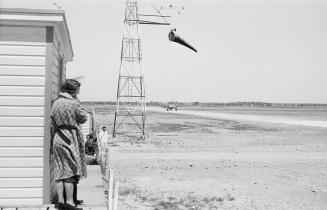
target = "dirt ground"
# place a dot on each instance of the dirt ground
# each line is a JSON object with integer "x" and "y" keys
{"x": 190, "y": 162}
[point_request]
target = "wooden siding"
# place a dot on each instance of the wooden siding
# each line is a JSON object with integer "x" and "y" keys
{"x": 14, "y": 162}
{"x": 22, "y": 80}
{"x": 24, "y": 141}
{"x": 23, "y": 182}
{"x": 23, "y": 30}
{"x": 22, "y": 193}
{"x": 27, "y": 111}
{"x": 18, "y": 60}
{"x": 58, "y": 68}
{"x": 22, "y": 70}
{"x": 22, "y": 50}
{"x": 21, "y": 172}
{"x": 21, "y": 131}
{"x": 20, "y": 197}
{"x": 22, "y": 34}
{"x": 22, "y": 121}
{"x": 22, "y": 89}
{"x": 22, "y": 101}
{"x": 21, "y": 201}
{"x": 21, "y": 152}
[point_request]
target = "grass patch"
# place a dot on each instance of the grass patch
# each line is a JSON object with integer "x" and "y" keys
{"x": 247, "y": 127}
{"x": 237, "y": 126}
{"x": 166, "y": 205}
{"x": 125, "y": 191}
{"x": 170, "y": 127}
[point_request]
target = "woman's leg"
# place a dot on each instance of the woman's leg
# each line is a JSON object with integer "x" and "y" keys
{"x": 60, "y": 191}
{"x": 69, "y": 189}
{"x": 75, "y": 193}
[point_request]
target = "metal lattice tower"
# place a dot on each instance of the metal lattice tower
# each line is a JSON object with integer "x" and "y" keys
{"x": 130, "y": 114}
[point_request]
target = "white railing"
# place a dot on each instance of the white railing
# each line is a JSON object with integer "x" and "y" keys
{"x": 107, "y": 174}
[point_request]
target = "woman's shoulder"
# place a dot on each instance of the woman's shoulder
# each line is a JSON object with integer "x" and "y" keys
{"x": 75, "y": 103}
{"x": 63, "y": 102}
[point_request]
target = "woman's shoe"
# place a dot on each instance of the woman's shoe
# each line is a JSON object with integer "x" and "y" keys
{"x": 78, "y": 202}
{"x": 70, "y": 207}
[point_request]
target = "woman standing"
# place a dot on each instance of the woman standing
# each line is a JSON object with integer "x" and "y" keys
{"x": 68, "y": 145}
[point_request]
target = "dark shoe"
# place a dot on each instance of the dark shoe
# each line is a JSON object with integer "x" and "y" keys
{"x": 78, "y": 202}
{"x": 59, "y": 206}
{"x": 70, "y": 207}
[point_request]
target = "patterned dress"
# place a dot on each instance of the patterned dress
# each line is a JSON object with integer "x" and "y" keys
{"x": 68, "y": 144}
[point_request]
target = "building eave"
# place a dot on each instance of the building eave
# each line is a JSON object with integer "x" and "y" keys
{"x": 40, "y": 17}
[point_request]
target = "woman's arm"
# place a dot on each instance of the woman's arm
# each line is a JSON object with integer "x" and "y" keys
{"x": 80, "y": 113}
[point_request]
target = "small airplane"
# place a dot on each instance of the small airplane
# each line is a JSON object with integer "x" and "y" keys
{"x": 172, "y": 105}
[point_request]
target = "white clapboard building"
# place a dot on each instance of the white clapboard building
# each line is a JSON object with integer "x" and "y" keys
{"x": 34, "y": 49}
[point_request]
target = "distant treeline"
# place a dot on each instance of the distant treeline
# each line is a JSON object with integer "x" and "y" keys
{"x": 217, "y": 104}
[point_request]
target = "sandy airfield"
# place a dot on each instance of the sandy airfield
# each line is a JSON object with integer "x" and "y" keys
{"x": 200, "y": 162}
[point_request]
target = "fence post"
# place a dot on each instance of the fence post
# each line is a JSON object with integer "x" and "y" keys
{"x": 116, "y": 195}
{"x": 110, "y": 192}
{"x": 105, "y": 170}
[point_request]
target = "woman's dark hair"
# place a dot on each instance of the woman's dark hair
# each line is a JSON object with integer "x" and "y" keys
{"x": 70, "y": 86}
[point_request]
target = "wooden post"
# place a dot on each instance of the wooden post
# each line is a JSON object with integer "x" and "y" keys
{"x": 105, "y": 166}
{"x": 116, "y": 195}
{"x": 47, "y": 191}
{"x": 111, "y": 188}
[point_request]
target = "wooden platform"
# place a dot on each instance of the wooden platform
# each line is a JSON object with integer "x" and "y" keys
{"x": 90, "y": 190}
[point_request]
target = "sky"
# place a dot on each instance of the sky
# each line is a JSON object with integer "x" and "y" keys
{"x": 250, "y": 50}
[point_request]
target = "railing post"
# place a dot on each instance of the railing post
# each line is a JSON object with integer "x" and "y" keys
{"x": 110, "y": 192}
{"x": 107, "y": 173}
{"x": 116, "y": 195}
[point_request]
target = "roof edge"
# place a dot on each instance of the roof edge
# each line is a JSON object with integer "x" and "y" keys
{"x": 28, "y": 10}
{"x": 45, "y": 12}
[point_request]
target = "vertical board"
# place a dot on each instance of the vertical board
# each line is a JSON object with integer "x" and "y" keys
{"x": 48, "y": 189}
{"x": 54, "y": 85}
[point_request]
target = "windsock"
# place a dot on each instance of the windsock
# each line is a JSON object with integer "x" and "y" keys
{"x": 175, "y": 38}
